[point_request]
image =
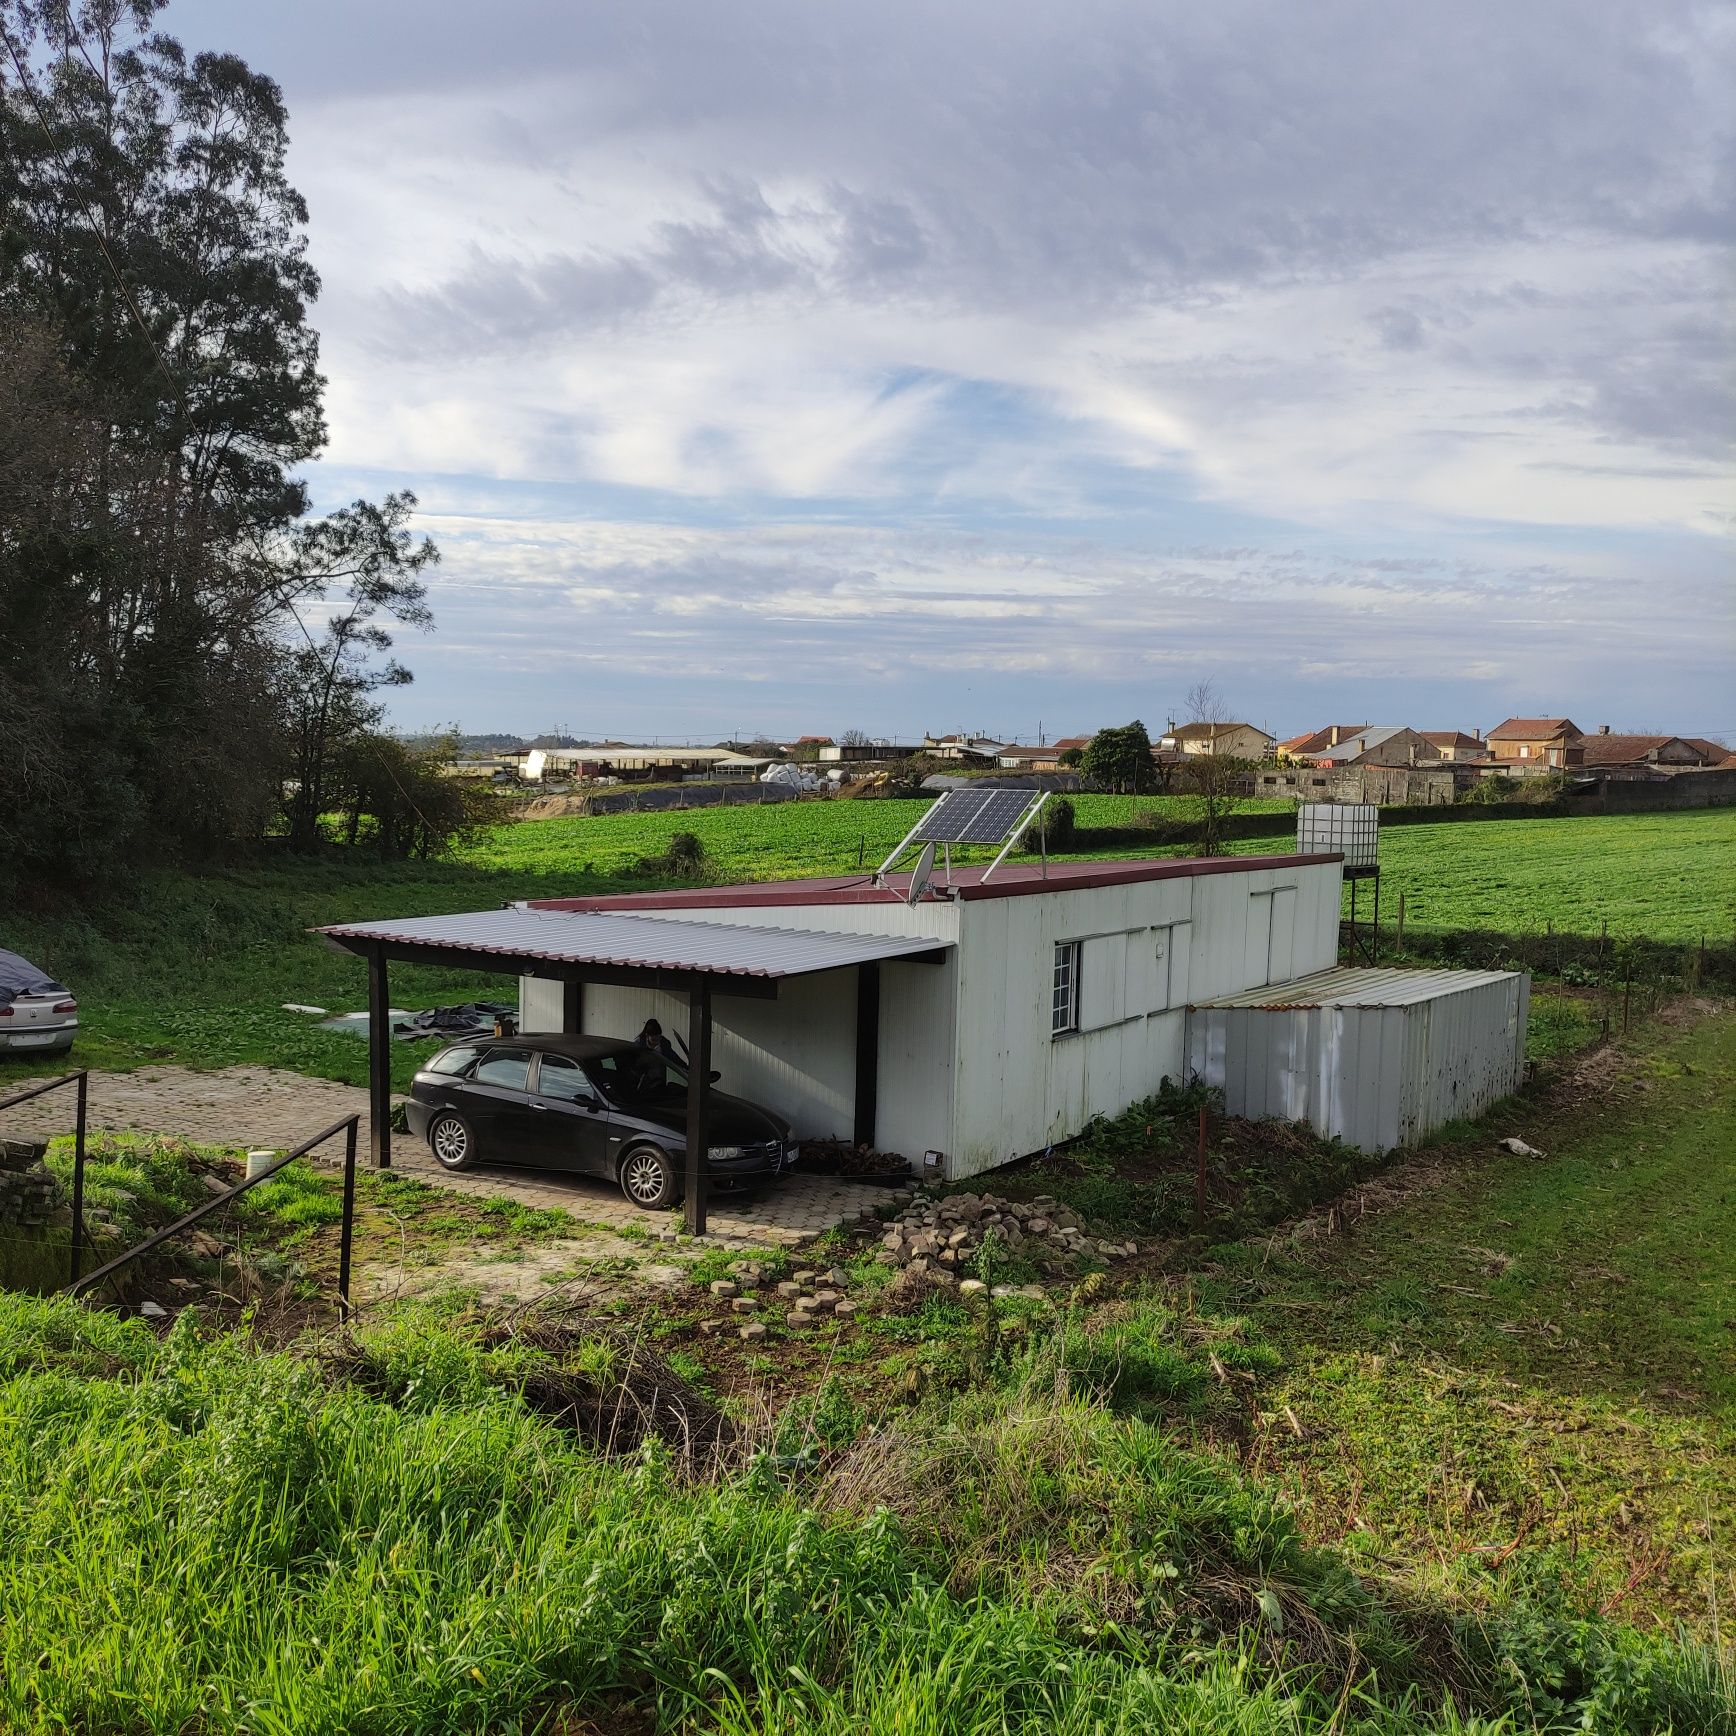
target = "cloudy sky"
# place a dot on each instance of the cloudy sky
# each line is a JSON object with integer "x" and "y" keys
{"x": 799, "y": 365}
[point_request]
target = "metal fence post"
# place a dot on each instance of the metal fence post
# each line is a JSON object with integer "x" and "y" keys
{"x": 349, "y": 1217}
{"x": 78, "y": 1176}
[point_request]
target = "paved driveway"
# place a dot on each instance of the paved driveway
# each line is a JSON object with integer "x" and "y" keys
{"x": 262, "y": 1108}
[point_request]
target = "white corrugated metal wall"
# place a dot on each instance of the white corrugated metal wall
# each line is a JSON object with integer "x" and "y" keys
{"x": 1378, "y": 1076}
{"x": 1147, "y": 948}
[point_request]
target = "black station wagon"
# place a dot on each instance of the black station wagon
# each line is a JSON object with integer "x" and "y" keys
{"x": 593, "y": 1105}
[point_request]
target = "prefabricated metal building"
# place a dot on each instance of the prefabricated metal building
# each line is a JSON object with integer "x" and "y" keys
{"x": 992, "y": 1015}
{"x": 1057, "y": 997}
{"x": 1377, "y": 1058}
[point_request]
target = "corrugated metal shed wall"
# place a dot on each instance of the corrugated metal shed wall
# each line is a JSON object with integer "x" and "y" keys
{"x": 1146, "y": 950}
{"x": 1378, "y": 1076}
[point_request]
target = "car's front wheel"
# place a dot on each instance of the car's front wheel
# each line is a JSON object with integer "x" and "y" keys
{"x": 451, "y": 1141}
{"x": 648, "y": 1178}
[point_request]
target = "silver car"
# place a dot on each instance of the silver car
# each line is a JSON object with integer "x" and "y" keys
{"x": 37, "y": 1014}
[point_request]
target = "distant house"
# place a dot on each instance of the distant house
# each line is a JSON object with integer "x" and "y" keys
{"x": 1537, "y": 742}
{"x": 1302, "y": 748}
{"x": 1384, "y": 744}
{"x": 1072, "y": 744}
{"x": 1226, "y": 740}
{"x": 802, "y": 741}
{"x": 866, "y": 752}
{"x": 1607, "y": 752}
{"x": 1455, "y": 745}
{"x": 1031, "y": 759}
{"x": 976, "y": 749}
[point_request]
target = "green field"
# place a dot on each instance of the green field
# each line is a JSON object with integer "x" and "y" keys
{"x": 753, "y": 842}
{"x": 1669, "y": 877}
{"x": 194, "y": 968}
{"x": 1665, "y": 876}
{"x": 1462, "y": 1469}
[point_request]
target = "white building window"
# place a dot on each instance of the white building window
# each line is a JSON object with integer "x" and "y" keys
{"x": 1064, "y": 1015}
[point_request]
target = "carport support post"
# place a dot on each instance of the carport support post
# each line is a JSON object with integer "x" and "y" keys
{"x": 867, "y": 1053}
{"x": 379, "y": 1061}
{"x": 698, "y": 1104}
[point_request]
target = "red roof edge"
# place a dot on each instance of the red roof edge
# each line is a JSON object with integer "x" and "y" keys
{"x": 1019, "y": 882}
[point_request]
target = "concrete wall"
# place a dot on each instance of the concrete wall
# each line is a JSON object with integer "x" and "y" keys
{"x": 1435, "y": 784}
{"x": 1714, "y": 788}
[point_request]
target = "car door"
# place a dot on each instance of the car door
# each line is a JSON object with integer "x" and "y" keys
{"x": 572, "y": 1120}
{"x": 496, "y": 1098}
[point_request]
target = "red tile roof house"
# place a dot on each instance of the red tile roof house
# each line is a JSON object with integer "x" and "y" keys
{"x": 1386, "y": 744}
{"x": 1607, "y": 752}
{"x": 1537, "y": 743}
{"x": 1316, "y": 741}
{"x": 1454, "y": 744}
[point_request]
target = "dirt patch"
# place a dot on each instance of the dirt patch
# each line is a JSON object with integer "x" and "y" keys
{"x": 595, "y": 1379}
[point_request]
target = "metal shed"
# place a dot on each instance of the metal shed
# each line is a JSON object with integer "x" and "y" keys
{"x": 1377, "y": 1058}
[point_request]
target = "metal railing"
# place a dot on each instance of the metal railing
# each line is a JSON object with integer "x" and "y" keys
{"x": 82, "y": 1080}
{"x": 348, "y": 1126}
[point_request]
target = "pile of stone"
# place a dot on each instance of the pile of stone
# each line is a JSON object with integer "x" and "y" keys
{"x": 29, "y": 1195}
{"x": 942, "y": 1237}
{"x": 757, "y": 1298}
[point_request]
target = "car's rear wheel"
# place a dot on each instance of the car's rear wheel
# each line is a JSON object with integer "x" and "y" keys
{"x": 648, "y": 1178}
{"x": 451, "y": 1141}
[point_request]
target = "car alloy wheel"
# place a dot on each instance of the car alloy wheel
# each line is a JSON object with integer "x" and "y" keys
{"x": 450, "y": 1140}
{"x": 648, "y": 1178}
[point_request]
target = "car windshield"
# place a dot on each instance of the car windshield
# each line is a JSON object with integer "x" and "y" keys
{"x": 637, "y": 1075}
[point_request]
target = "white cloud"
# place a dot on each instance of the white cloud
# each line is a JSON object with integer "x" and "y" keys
{"x": 1445, "y": 288}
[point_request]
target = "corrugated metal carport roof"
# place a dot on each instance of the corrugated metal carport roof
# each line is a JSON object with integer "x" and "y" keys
{"x": 1345, "y": 986}
{"x": 620, "y": 941}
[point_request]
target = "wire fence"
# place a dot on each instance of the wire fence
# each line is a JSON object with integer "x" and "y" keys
{"x": 1633, "y": 972}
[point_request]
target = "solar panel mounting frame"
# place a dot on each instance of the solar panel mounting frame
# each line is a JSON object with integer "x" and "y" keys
{"x": 984, "y": 812}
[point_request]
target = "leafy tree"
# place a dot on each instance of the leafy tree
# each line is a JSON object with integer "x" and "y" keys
{"x": 156, "y": 353}
{"x": 397, "y": 799}
{"x": 1119, "y": 759}
{"x": 1056, "y": 827}
{"x": 335, "y": 677}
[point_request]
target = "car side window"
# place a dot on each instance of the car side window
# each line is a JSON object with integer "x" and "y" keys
{"x": 630, "y": 1075}
{"x": 563, "y": 1079}
{"x": 454, "y": 1060}
{"x": 508, "y": 1067}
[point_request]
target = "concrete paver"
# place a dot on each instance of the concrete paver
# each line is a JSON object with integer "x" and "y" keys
{"x": 267, "y": 1108}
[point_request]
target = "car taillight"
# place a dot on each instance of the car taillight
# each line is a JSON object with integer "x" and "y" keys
{"x": 66, "y": 1006}
{"x": 6, "y": 1011}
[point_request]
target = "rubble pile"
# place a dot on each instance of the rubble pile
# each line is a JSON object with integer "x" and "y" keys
{"x": 755, "y": 1298}
{"x": 943, "y": 1236}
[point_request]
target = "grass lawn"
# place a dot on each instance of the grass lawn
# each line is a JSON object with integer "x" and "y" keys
{"x": 1466, "y": 1470}
{"x": 1668, "y": 877}
{"x": 195, "y": 968}
{"x": 1530, "y": 1365}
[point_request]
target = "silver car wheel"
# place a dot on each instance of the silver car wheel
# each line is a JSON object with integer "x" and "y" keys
{"x": 643, "y": 1176}
{"x": 451, "y": 1141}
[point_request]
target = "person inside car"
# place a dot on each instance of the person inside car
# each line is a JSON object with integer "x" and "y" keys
{"x": 651, "y": 1037}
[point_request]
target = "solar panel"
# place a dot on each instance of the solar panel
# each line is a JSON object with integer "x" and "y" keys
{"x": 972, "y": 817}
